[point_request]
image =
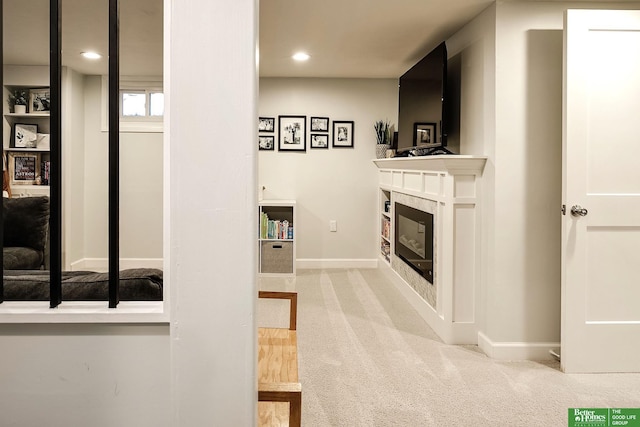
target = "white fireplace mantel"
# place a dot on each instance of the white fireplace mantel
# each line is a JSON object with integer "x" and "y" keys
{"x": 453, "y": 183}
{"x": 452, "y": 164}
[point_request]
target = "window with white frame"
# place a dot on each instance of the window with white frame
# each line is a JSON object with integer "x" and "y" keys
{"x": 141, "y": 104}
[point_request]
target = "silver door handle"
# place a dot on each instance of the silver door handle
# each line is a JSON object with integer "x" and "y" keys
{"x": 577, "y": 210}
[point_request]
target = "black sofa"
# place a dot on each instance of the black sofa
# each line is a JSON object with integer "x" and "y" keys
{"x": 25, "y": 228}
{"x": 137, "y": 284}
{"x": 25, "y": 262}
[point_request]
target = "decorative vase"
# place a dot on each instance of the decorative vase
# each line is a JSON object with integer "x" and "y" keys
{"x": 20, "y": 109}
{"x": 381, "y": 150}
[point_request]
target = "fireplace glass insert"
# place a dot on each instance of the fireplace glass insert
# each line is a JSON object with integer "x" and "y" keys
{"x": 414, "y": 239}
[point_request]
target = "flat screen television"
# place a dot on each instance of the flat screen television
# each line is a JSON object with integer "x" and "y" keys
{"x": 422, "y": 98}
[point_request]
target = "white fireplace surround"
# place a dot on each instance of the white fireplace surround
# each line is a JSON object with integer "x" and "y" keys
{"x": 449, "y": 187}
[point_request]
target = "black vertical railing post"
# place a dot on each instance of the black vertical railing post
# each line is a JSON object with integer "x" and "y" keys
{"x": 55, "y": 184}
{"x": 114, "y": 153}
{"x": 2, "y": 177}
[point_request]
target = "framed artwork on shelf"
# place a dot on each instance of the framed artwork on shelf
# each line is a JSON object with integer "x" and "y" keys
{"x": 24, "y": 168}
{"x": 266, "y": 142}
{"x": 424, "y": 133}
{"x": 25, "y": 136}
{"x": 343, "y": 134}
{"x": 266, "y": 124}
{"x": 319, "y": 140}
{"x": 39, "y": 100}
{"x": 292, "y": 133}
{"x": 319, "y": 124}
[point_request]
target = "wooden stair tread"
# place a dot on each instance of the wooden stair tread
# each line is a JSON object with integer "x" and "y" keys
{"x": 273, "y": 414}
{"x": 277, "y": 356}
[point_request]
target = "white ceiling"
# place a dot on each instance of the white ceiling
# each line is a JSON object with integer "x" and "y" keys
{"x": 356, "y": 38}
{"x": 346, "y": 38}
{"x": 85, "y": 27}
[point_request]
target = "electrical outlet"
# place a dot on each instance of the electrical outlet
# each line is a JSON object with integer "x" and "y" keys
{"x": 333, "y": 225}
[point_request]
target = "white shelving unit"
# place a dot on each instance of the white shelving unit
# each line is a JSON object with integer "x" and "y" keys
{"x": 386, "y": 228}
{"x": 277, "y": 242}
{"x": 42, "y": 121}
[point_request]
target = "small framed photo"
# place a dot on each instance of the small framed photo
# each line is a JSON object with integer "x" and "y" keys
{"x": 40, "y": 100}
{"x": 266, "y": 124}
{"x": 424, "y": 134}
{"x": 343, "y": 134}
{"x": 319, "y": 124}
{"x": 25, "y": 136}
{"x": 24, "y": 168}
{"x": 319, "y": 140}
{"x": 266, "y": 142}
{"x": 292, "y": 133}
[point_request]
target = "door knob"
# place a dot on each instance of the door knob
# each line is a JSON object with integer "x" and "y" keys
{"x": 577, "y": 210}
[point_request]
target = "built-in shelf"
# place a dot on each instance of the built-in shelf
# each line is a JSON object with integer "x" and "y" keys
{"x": 450, "y": 186}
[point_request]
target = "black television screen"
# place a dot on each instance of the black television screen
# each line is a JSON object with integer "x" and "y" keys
{"x": 421, "y": 120}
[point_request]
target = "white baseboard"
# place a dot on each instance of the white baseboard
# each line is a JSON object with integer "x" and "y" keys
{"x": 102, "y": 264}
{"x": 516, "y": 350}
{"x": 336, "y": 263}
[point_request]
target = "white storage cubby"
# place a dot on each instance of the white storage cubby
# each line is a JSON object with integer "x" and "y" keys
{"x": 276, "y": 240}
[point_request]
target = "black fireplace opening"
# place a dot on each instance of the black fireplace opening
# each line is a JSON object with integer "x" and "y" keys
{"x": 414, "y": 239}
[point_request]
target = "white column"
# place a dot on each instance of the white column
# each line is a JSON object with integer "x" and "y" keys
{"x": 213, "y": 209}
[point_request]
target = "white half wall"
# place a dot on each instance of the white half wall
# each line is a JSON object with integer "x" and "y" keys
{"x": 84, "y": 375}
{"x": 329, "y": 184}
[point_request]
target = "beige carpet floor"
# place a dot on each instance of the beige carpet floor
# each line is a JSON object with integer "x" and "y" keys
{"x": 368, "y": 359}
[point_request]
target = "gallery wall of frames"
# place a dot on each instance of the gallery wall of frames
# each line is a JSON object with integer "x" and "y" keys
{"x": 290, "y": 133}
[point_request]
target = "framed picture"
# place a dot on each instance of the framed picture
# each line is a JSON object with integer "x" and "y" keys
{"x": 292, "y": 133}
{"x": 266, "y": 124}
{"x": 39, "y": 100}
{"x": 424, "y": 134}
{"x": 25, "y": 136}
{"x": 265, "y": 142}
{"x": 319, "y": 124}
{"x": 342, "y": 134}
{"x": 319, "y": 140}
{"x": 24, "y": 168}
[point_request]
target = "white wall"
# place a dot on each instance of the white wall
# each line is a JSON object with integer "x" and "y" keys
{"x": 512, "y": 112}
{"x": 141, "y": 166}
{"x": 214, "y": 215}
{"x": 84, "y": 375}
{"x": 204, "y": 372}
{"x": 73, "y": 126}
{"x": 332, "y": 184}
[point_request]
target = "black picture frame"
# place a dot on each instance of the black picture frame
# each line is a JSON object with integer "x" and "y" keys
{"x": 319, "y": 141}
{"x": 319, "y": 124}
{"x": 25, "y": 135}
{"x": 424, "y": 134}
{"x": 40, "y": 100}
{"x": 343, "y": 132}
{"x": 266, "y": 124}
{"x": 266, "y": 142}
{"x": 292, "y": 133}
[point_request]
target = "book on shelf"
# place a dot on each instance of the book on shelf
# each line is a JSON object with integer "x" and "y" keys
{"x": 275, "y": 229}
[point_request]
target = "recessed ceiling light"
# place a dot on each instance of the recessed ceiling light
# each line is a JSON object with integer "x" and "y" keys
{"x": 301, "y": 56}
{"x": 91, "y": 55}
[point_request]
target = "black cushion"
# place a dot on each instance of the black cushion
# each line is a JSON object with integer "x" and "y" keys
{"x": 26, "y": 222}
{"x": 139, "y": 284}
{"x": 22, "y": 258}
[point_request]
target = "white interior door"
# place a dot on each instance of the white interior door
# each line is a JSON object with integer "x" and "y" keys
{"x": 601, "y": 173}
